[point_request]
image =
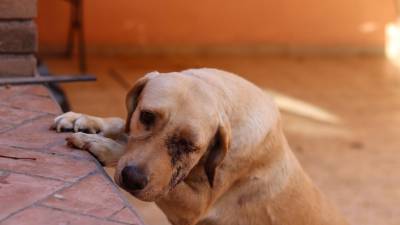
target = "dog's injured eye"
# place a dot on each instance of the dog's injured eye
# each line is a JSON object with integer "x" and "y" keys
{"x": 147, "y": 118}
{"x": 178, "y": 146}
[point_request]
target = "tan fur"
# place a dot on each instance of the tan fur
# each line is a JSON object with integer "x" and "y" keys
{"x": 257, "y": 179}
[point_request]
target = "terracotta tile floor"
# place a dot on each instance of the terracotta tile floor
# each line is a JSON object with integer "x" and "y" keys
{"x": 41, "y": 180}
{"x": 341, "y": 116}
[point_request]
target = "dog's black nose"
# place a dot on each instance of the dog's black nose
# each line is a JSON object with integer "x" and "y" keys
{"x": 133, "y": 178}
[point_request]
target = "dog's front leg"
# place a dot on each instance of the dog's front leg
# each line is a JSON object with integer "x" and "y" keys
{"x": 184, "y": 205}
{"x": 106, "y": 150}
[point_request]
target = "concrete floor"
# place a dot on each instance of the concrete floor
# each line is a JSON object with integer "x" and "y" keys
{"x": 341, "y": 117}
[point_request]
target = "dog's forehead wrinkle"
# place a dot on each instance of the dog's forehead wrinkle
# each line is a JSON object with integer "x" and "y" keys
{"x": 178, "y": 84}
{"x": 162, "y": 98}
{"x": 168, "y": 81}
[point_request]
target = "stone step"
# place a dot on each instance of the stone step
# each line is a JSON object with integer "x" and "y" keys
{"x": 17, "y": 65}
{"x": 18, "y": 37}
{"x": 21, "y": 9}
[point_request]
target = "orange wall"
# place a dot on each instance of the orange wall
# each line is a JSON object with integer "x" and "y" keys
{"x": 181, "y": 22}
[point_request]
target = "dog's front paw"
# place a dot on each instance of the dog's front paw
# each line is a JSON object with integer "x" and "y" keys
{"x": 105, "y": 150}
{"x": 76, "y": 122}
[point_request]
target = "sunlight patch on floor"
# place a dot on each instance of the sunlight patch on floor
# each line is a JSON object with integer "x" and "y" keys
{"x": 303, "y": 108}
{"x": 392, "y": 48}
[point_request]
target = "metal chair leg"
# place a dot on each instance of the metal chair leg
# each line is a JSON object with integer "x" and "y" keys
{"x": 76, "y": 26}
{"x": 81, "y": 37}
{"x": 70, "y": 38}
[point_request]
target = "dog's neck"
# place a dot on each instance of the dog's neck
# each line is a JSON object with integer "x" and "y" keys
{"x": 275, "y": 162}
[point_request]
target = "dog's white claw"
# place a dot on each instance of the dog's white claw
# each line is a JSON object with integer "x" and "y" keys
{"x": 59, "y": 127}
{"x": 76, "y": 128}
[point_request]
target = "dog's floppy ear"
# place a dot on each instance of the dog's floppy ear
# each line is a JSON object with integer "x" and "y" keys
{"x": 217, "y": 150}
{"x": 132, "y": 97}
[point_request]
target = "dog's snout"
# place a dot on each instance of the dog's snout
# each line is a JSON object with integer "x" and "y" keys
{"x": 133, "y": 178}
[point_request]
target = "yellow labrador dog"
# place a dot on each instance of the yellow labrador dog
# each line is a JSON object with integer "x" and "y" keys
{"x": 207, "y": 146}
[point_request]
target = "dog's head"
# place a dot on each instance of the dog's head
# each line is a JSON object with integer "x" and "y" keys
{"x": 173, "y": 124}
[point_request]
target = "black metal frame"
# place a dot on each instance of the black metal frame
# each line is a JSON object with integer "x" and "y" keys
{"x": 76, "y": 26}
{"x": 45, "y": 79}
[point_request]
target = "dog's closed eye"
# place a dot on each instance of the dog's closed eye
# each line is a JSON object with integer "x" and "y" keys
{"x": 147, "y": 118}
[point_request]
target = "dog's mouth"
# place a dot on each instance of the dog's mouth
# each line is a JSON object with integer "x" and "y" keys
{"x": 132, "y": 192}
{"x": 147, "y": 194}
{"x": 150, "y": 194}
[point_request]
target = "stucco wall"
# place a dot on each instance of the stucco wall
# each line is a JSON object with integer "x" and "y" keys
{"x": 326, "y": 23}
